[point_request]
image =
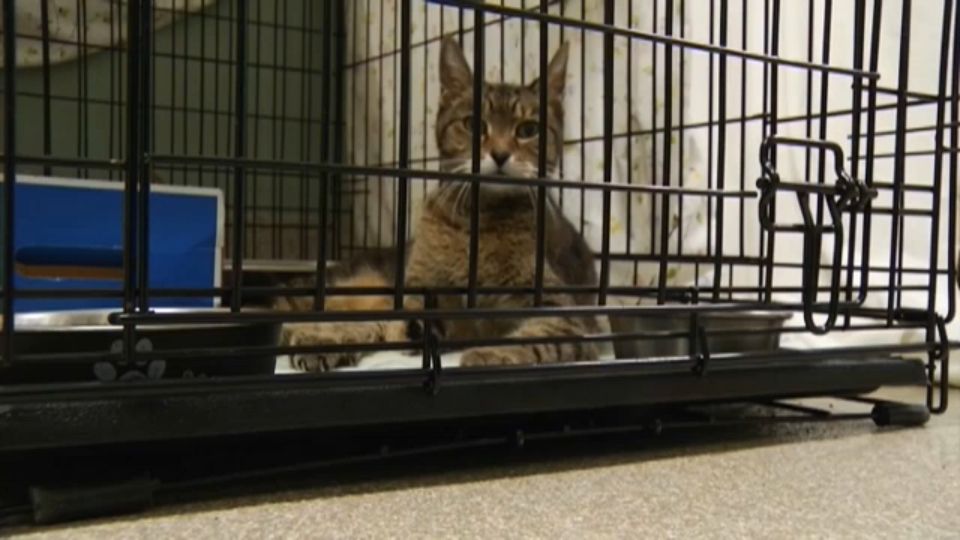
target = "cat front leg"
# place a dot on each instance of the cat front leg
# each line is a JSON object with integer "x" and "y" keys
{"x": 550, "y": 352}
{"x": 339, "y": 333}
{"x": 345, "y": 332}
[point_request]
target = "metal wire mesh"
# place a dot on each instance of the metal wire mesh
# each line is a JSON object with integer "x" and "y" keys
{"x": 315, "y": 119}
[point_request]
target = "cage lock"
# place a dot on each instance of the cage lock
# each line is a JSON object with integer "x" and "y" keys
{"x": 846, "y": 194}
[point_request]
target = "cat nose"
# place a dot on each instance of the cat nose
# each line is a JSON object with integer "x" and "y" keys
{"x": 500, "y": 157}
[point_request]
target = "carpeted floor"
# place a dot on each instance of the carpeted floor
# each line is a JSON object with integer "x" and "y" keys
{"x": 847, "y": 480}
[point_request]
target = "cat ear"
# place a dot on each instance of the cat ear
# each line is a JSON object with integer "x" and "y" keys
{"x": 455, "y": 75}
{"x": 556, "y": 72}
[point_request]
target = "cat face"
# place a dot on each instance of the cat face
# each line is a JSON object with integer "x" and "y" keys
{"x": 509, "y": 142}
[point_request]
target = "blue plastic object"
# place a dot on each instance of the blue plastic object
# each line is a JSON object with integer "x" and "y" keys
{"x": 68, "y": 235}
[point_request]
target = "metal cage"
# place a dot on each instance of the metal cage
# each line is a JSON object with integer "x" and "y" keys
{"x": 720, "y": 157}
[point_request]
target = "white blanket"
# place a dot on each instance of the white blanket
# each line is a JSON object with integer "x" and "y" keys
{"x": 82, "y": 27}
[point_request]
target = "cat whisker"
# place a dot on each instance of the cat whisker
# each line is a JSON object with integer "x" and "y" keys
{"x": 465, "y": 193}
{"x": 447, "y": 189}
{"x": 454, "y": 165}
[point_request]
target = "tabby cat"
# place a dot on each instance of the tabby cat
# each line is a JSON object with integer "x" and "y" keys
{"x": 438, "y": 255}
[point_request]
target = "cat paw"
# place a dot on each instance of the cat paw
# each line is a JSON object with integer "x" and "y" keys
{"x": 415, "y": 330}
{"x": 300, "y": 335}
{"x": 315, "y": 363}
{"x": 498, "y": 356}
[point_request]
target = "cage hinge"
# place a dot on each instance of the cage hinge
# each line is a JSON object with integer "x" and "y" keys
{"x": 846, "y": 194}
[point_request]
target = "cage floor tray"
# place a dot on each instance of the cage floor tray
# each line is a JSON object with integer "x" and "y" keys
{"x": 106, "y": 414}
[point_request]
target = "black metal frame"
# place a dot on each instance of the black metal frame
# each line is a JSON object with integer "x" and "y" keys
{"x": 46, "y": 415}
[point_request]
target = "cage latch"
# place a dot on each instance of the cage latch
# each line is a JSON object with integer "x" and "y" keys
{"x": 431, "y": 349}
{"x": 697, "y": 345}
{"x": 938, "y": 356}
{"x": 844, "y": 195}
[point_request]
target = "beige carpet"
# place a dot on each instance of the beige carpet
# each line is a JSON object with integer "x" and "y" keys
{"x": 842, "y": 480}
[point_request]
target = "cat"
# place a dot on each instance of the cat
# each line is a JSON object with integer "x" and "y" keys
{"x": 438, "y": 255}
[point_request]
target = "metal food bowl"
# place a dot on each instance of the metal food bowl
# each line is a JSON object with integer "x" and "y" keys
{"x": 79, "y": 346}
{"x": 760, "y": 332}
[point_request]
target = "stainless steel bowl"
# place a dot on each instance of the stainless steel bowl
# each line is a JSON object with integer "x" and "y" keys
{"x": 78, "y": 346}
{"x": 761, "y": 332}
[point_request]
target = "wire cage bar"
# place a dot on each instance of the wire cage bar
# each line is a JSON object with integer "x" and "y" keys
{"x": 791, "y": 164}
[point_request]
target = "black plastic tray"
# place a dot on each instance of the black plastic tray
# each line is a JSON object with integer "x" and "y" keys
{"x": 74, "y": 415}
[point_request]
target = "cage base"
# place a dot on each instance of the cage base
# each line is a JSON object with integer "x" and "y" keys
{"x": 93, "y": 415}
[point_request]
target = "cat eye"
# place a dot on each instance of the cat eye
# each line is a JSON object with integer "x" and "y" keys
{"x": 527, "y": 130}
{"x": 468, "y": 124}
